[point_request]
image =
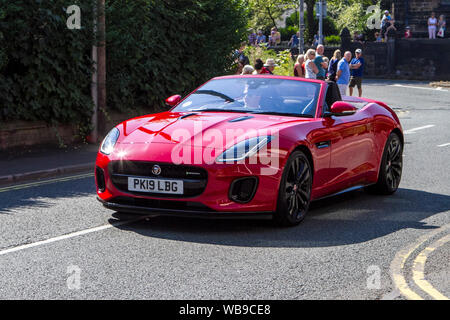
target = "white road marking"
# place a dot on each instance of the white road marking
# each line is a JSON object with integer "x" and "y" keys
{"x": 415, "y": 87}
{"x": 444, "y": 145}
{"x": 418, "y": 128}
{"x": 68, "y": 236}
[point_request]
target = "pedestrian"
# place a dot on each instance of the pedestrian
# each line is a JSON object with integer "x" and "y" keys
{"x": 242, "y": 59}
{"x": 322, "y": 66}
{"x": 316, "y": 39}
{"x": 259, "y": 65}
{"x": 311, "y": 70}
{"x": 356, "y": 72}
{"x": 252, "y": 38}
{"x": 269, "y": 66}
{"x": 343, "y": 73}
{"x": 408, "y": 33}
{"x": 260, "y": 38}
{"x": 390, "y": 30}
{"x": 332, "y": 68}
{"x": 299, "y": 68}
{"x": 385, "y": 22}
{"x": 432, "y": 23}
{"x": 293, "y": 44}
{"x": 276, "y": 36}
{"x": 378, "y": 37}
{"x": 327, "y": 61}
{"x": 248, "y": 69}
{"x": 441, "y": 26}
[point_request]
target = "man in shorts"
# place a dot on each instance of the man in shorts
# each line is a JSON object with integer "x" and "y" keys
{"x": 356, "y": 72}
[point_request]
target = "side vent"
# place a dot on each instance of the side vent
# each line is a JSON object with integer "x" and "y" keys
{"x": 241, "y": 118}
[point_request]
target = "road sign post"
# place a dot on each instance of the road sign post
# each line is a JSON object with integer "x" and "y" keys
{"x": 301, "y": 40}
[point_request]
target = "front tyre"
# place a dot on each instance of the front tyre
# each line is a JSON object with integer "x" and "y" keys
{"x": 295, "y": 190}
{"x": 390, "y": 168}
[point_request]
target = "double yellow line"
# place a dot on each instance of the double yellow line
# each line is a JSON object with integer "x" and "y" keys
{"x": 44, "y": 182}
{"x": 418, "y": 266}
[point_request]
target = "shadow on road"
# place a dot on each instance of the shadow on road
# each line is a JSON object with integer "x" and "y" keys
{"x": 39, "y": 196}
{"x": 349, "y": 218}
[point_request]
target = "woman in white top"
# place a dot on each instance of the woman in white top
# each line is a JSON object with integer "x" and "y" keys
{"x": 311, "y": 69}
{"x": 432, "y": 23}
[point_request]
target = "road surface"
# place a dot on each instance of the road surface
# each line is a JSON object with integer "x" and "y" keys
{"x": 58, "y": 242}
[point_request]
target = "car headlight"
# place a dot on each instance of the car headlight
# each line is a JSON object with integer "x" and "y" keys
{"x": 110, "y": 141}
{"x": 244, "y": 149}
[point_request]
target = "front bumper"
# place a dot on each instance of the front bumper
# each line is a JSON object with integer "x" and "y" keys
{"x": 191, "y": 213}
{"x": 214, "y": 195}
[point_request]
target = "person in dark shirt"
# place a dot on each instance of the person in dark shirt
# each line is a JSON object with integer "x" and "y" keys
{"x": 356, "y": 72}
{"x": 332, "y": 68}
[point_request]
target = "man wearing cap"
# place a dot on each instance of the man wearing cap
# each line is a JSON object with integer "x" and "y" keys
{"x": 269, "y": 66}
{"x": 356, "y": 72}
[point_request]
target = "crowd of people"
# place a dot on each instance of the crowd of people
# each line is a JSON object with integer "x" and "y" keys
{"x": 436, "y": 27}
{"x": 257, "y": 39}
{"x": 347, "y": 71}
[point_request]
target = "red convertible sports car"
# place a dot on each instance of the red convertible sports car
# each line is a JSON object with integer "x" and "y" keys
{"x": 250, "y": 146}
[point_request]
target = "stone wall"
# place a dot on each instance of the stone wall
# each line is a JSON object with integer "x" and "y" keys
{"x": 415, "y": 13}
{"x": 422, "y": 59}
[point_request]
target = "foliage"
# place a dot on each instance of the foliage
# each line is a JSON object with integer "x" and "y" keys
{"x": 166, "y": 47}
{"x": 292, "y": 23}
{"x": 333, "y": 40}
{"x": 351, "y": 14}
{"x": 283, "y": 59}
{"x": 154, "y": 48}
{"x": 264, "y": 13}
{"x": 45, "y": 68}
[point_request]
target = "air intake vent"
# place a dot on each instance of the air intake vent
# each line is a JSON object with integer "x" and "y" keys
{"x": 242, "y": 190}
{"x": 100, "y": 178}
{"x": 241, "y": 119}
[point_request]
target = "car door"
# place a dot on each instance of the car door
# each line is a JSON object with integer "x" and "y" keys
{"x": 352, "y": 148}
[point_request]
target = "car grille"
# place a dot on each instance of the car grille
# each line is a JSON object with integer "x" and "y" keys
{"x": 162, "y": 204}
{"x": 194, "y": 178}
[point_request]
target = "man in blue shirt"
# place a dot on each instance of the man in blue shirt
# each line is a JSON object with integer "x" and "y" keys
{"x": 261, "y": 38}
{"x": 356, "y": 72}
{"x": 293, "y": 44}
{"x": 343, "y": 73}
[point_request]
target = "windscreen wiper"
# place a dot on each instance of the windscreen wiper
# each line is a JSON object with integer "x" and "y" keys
{"x": 216, "y": 94}
{"x": 284, "y": 114}
{"x": 221, "y": 110}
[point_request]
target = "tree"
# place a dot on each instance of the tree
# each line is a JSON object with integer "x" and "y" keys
{"x": 266, "y": 12}
{"x": 310, "y": 19}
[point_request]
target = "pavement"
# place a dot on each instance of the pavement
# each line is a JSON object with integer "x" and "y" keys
{"x": 44, "y": 162}
{"x": 58, "y": 242}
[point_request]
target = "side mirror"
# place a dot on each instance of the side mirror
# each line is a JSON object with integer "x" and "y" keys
{"x": 173, "y": 100}
{"x": 341, "y": 108}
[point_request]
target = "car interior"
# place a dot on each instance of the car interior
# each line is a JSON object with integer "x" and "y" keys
{"x": 333, "y": 94}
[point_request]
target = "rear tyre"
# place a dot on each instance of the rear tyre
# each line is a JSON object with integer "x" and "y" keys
{"x": 295, "y": 191}
{"x": 390, "y": 168}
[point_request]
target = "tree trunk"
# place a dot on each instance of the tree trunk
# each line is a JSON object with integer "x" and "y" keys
{"x": 271, "y": 17}
{"x": 310, "y": 19}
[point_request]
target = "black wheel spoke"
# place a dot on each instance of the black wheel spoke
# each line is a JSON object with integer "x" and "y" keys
{"x": 297, "y": 187}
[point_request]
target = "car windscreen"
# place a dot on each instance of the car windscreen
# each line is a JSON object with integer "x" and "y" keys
{"x": 255, "y": 95}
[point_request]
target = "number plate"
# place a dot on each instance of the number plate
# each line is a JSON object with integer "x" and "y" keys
{"x": 155, "y": 185}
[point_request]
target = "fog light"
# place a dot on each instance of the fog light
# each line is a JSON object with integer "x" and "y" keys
{"x": 242, "y": 190}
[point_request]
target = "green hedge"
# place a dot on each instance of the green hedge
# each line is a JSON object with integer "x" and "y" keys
{"x": 154, "y": 48}
{"x": 45, "y": 71}
{"x": 166, "y": 47}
